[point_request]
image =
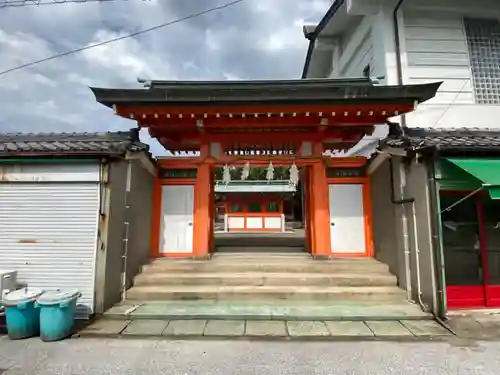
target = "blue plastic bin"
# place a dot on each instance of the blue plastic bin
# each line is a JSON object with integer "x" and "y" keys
{"x": 22, "y": 317}
{"x": 57, "y": 314}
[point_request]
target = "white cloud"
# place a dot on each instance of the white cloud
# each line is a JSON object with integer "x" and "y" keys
{"x": 254, "y": 39}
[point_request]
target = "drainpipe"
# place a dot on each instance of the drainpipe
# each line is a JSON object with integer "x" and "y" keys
{"x": 436, "y": 242}
{"x": 417, "y": 258}
{"x": 126, "y": 225}
{"x": 399, "y": 64}
{"x": 406, "y": 242}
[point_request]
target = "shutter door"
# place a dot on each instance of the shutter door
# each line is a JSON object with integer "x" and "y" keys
{"x": 48, "y": 233}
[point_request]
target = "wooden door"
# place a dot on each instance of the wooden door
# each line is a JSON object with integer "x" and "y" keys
{"x": 347, "y": 219}
{"x": 176, "y": 230}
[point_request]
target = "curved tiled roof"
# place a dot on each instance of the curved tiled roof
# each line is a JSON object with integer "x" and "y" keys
{"x": 106, "y": 143}
{"x": 446, "y": 139}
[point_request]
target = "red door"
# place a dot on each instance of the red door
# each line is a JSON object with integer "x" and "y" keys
{"x": 489, "y": 214}
{"x": 471, "y": 245}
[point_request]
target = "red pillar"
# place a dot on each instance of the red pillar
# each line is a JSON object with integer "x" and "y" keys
{"x": 320, "y": 207}
{"x": 212, "y": 211}
{"x": 201, "y": 240}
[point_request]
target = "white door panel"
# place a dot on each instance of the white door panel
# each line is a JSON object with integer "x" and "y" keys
{"x": 176, "y": 227}
{"x": 347, "y": 223}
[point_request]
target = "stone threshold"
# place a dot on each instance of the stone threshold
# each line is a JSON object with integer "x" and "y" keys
{"x": 266, "y": 330}
{"x": 284, "y": 311}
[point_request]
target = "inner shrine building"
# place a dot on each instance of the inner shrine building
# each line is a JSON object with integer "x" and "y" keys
{"x": 289, "y": 122}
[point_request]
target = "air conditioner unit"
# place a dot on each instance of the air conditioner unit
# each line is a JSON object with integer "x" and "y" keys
{"x": 8, "y": 282}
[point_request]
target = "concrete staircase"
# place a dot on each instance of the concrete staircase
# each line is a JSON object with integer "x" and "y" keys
{"x": 266, "y": 277}
{"x": 287, "y": 242}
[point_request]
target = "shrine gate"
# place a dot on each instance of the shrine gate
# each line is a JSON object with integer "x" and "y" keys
{"x": 299, "y": 122}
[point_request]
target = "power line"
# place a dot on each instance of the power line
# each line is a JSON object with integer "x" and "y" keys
{"x": 131, "y": 35}
{"x": 451, "y": 103}
{"x": 24, "y": 3}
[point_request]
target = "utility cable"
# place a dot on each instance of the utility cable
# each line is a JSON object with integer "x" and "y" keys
{"x": 25, "y": 3}
{"x": 131, "y": 35}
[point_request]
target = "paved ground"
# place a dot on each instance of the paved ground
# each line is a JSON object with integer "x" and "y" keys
{"x": 92, "y": 356}
{"x": 475, "y": 325}
{"x": 267, "y": 329}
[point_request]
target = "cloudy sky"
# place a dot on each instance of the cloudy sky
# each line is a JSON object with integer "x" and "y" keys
{"x": 255, "y": 39}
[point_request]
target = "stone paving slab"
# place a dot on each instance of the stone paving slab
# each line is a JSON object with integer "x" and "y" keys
{"x": 307, "y": 328}
{"x": 425, "y": 328}
{"x": 476, "y": 326}
{"x": 349, "y": 329}
{"x": 269, "y": 328}
{"x": 107, "y": 327}
{"x": 225, "y": 328}
{"x": 185, "y": 328}
{"x": 274, "y": 329}
{"x": 259, "y": 310}
{"x": 388, "y": 329}
{"x": 467, "y": 327}
{"x": 147, "y": 327}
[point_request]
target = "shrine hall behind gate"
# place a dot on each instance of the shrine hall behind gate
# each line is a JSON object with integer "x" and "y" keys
{"x": 300, "y": 126}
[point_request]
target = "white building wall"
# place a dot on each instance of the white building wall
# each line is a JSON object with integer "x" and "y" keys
{"x": 355, "y": 50}
{"x": 434, "y": 48}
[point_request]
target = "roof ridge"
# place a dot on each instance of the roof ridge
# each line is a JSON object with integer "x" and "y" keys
{"x": 60, "y": 135}
{"x": 102, "y": 143}
{"x": 447, "y": 139}
{"x": 454, "y": 130}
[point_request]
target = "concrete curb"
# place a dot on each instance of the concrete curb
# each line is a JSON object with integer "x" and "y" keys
{"x": 409, "y": 339}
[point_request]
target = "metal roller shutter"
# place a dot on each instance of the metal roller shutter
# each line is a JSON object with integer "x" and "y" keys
{"x": 48, "y": 233}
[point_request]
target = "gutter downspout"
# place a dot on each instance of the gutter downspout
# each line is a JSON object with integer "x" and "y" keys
{"x": 126, "y": 225}
{"x": 417, "y": 259}
{"x": 436, "y": 242}
{"x": 406, "y": 242}
{"x": 399, "y": 63}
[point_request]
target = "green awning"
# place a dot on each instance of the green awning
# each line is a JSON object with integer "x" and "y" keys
{"x": 485, "y": 170}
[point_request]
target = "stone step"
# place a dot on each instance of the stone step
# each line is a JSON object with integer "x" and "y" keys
{"x": 382, "y": 294}
{"x": 275, "y": 265}
{"x": 265, "y": 279}
{"x": 265, "y": 310}
{"x": 302, "y": 256}
{"x": 260, "y": 240}
{"x": 260, "y": 249}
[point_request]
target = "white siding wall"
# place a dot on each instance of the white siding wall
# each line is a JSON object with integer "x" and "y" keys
{"x": 434, "y": 48}
{"x": 355, "y": 51}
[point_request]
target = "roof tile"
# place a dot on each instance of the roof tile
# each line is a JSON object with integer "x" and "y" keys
{"x": 447, "y": 139}
{"x": 110, "y": 143}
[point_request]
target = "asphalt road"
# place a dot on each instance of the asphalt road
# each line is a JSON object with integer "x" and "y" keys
{"x": 124, "y": 356}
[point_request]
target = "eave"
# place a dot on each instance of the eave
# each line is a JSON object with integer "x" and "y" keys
{"x": 251, "y": 93}
{"x": 260, "y": 115}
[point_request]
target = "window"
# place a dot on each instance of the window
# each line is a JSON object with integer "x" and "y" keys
{"x": 273, "y": 207}
{"x": 235, "y": 207}
{"x": 254, "y": 207}
{"x": 367, "y": 71}
{"x": 483, "y": 39}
